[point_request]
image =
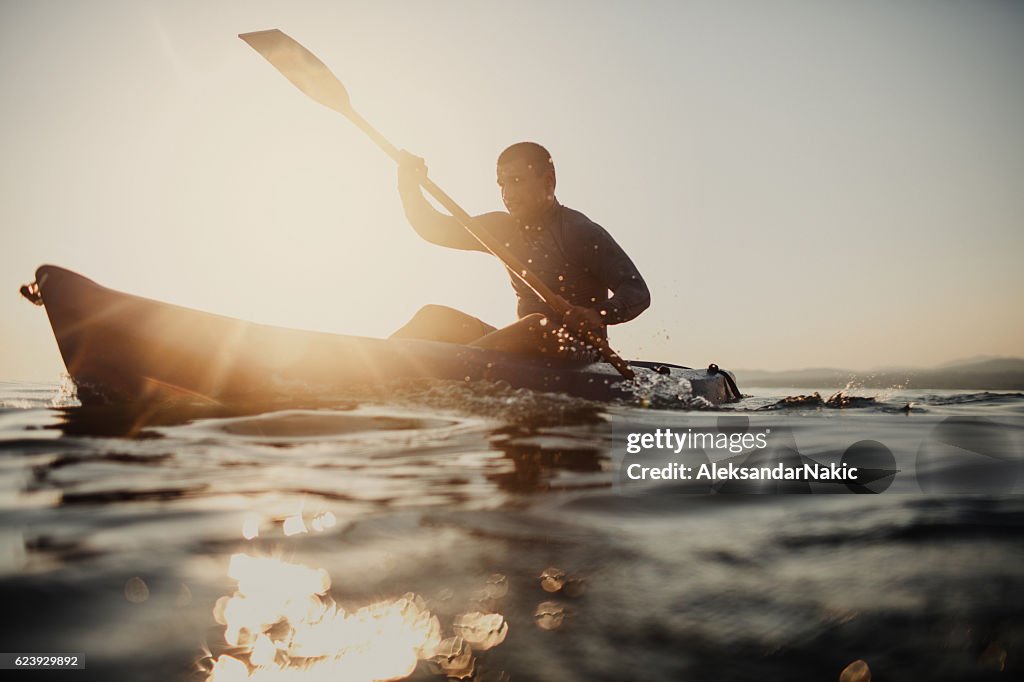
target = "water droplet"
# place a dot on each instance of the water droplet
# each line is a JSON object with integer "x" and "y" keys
{"x": 497, "y": 586}
{"x": 294, "y": 525}
{"x": 549, "y": 615}
{"x": 454, "y": 658}
{"x": 136, "y": 591}
{"x": 251, "y": 527}
{"x": 858, "y": 671}
{"x": 482, "y": 631}
{"x": 552, "y": 579}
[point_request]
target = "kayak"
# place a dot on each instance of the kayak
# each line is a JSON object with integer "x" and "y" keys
{"x": 120, "y": 348}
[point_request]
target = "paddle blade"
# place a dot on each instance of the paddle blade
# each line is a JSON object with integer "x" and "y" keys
{"x": 301, "y": 67}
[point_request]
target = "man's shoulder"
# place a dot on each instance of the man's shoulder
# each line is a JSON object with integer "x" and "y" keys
{"x": 498, "y": 223}
{"x": 571, "y": 216}
{"x": 579, "y": 226}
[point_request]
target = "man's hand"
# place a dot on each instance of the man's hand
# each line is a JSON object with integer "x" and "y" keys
{"x": 580, "y": 320}
{"x": 411, "y": 169}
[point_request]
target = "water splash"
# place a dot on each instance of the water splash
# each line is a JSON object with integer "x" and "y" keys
{"x": 67, "y": 393}
{"x": 663, "y": 392}
{"x": 838, "y": 400}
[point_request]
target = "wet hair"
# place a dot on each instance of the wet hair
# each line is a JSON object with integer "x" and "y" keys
{"x": 531, "y": 152}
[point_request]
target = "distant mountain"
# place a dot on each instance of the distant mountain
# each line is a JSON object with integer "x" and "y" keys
{"x": 1004, "y": 374}
{"x": 986, "y": 365}
{"x": 968, "y": 361}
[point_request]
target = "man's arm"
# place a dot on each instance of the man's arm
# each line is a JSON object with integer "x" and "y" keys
{"x": 429, "y": 223}
{"x": 615, "y": 269}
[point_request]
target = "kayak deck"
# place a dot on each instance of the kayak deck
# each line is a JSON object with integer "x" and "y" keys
{"x": 123, "y": 348}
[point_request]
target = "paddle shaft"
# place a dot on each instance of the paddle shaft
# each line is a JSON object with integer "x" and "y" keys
{"x": 309, "y": 74}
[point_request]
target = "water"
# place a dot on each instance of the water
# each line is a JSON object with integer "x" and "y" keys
{"x": 119, "y": 530}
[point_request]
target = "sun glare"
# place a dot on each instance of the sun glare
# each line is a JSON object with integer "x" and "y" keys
{"x": 282, "y": 624}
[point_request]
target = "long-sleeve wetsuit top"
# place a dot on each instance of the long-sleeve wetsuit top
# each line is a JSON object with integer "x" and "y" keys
{"x": 570, "y": 253}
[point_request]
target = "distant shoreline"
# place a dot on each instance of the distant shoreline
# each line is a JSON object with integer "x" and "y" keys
{"x": 1001, "y": 374}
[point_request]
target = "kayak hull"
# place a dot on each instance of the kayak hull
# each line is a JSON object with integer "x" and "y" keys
{"x": 123, "y": 348}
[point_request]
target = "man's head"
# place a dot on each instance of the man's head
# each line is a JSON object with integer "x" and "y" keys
{"x": 526, "y": 176}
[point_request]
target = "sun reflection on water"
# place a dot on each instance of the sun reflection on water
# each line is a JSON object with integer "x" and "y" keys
{"x": 282, "y": 624}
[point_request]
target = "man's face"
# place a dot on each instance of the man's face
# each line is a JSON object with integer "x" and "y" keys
{"x": 525, "y": 193}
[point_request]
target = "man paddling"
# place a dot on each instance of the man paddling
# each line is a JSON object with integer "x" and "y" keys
{"x": 571, "y": 254}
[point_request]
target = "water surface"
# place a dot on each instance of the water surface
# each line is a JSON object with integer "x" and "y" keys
{"x": 504, "y": 511}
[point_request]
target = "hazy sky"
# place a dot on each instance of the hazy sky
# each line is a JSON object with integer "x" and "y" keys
{"x": 801, "y": 183}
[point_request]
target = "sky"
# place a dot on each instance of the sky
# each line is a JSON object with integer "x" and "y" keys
{"x": 802, "y": 184}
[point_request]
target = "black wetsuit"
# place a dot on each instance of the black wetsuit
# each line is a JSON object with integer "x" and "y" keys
{"x": 570, "y": 253}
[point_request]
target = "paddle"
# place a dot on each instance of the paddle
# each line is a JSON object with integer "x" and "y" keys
{"x": 312, "y": 76}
